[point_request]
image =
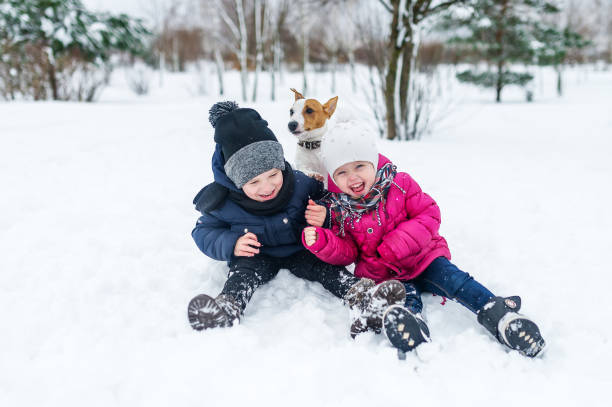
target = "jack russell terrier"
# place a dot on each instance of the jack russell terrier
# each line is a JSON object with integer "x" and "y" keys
{"x": 308, "y": 122}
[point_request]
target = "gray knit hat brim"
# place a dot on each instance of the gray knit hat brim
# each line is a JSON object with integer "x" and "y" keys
{"x": 254, "y": 159}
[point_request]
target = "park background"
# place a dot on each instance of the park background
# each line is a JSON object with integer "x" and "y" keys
{"x": 99, "y": 167}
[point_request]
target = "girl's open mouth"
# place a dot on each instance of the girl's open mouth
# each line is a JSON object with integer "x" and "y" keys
{"x": 358, "y": 188}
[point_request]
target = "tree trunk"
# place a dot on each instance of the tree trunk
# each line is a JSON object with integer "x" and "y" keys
{"x": 244, "y": 78}
{"x": 202, "y": 77}
{"x": 275, "y": 65}
{"x": 161, "y": 69}
{"x": 351, "y": 58}
{"x": 259, "y": 48}
{"x": 175, "y": 56}
{"x": 500, "y": 83}
{"x": 391, "y": 75}
{"x": 305, "y": 58}
{"x": 404, "y": 86}
{"x": 53, "y": 81}
{"x": 334, "y": 65}
{"x": 499, "y": 38}
{"x": 273, "y": 73}
{"x": 559, "y": 81}
{"x": 220, "y": 69}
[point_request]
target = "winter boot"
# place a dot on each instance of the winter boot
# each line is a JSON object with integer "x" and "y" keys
{"x": 206, "y": 312}
{"x": 499, "y": 316}
{"x": 404, "y": 329}
{"x": 368, "y": 302}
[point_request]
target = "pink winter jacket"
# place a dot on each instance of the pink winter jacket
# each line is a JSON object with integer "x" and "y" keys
{"x": 401, "y": 248}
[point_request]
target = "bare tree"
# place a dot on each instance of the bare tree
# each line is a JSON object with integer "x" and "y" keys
{"x": 214, "y": 41}
{"x": 232, "y": 13}
{"x": 259, "y": 41}
{"x": 371, "y": 34}
{"x": 407, "y": 17}
{"x": 276, "y": 16}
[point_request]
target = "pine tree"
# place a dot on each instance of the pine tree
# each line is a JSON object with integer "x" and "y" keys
{"x": 64, "y": 27}
{"x": 500, "y": 32}
{"x": 552, "y": 47}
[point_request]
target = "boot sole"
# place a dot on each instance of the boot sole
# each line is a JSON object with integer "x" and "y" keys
{"x": 402, "y": 329}
{"x": 204, "y": 313}
{"x": 523, "y": 335}
{"x": 389, "y": 293}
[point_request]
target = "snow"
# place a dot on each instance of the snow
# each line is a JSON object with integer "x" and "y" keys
{"x": 97, "y": 262}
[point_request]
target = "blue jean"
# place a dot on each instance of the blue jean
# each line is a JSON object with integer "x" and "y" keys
{"x": 445, "y": 279}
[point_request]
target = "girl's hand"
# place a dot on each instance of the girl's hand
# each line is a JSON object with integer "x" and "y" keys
{"x": 310, "y": 235}
{"x": 247, "y": 245}
{"x": 315, "y": 214}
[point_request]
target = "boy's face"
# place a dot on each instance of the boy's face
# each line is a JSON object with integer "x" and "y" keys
{"x": 265, "y": 186}
{"x": 355, "y": 178}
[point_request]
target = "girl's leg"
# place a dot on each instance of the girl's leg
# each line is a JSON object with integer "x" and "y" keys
{"x": 413, "y": 298}
{"x": 403, "y": 325}
{"x": 443, "y": 278}
{"x": 498, "y": 315}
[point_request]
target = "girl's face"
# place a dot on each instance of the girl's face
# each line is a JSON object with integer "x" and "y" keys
{"x": 265, "y": 186}
{"x": 355, "y": 178}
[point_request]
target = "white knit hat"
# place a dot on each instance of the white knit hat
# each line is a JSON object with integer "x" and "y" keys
{"x": 346, "y": 142}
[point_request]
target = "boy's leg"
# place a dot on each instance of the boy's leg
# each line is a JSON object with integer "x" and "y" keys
{"x": 245, "y": 275}
{"x": 366, "y": 299}
{"x": 443, "y": 278}
{"x": 335, "y": 279}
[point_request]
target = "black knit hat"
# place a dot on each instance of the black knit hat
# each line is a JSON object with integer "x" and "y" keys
{"x": 249, "y": 146}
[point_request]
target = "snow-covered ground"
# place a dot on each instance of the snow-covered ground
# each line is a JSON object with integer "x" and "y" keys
{"x": 97, "y": 263}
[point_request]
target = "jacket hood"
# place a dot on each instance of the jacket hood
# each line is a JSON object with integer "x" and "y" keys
{"x": 331, "y": 185}
{"x": 211, "y": 196}
{"x": 219, "y": 172}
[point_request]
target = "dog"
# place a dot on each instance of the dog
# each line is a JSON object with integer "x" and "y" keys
{"x": 308, "y": 122}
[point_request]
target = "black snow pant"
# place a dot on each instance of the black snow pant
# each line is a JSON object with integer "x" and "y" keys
{"x": 248, "y": 273}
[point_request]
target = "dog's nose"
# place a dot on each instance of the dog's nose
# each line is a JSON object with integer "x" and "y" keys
{"x": 293, "y": 125}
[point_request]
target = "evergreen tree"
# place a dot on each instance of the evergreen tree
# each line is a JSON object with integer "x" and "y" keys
{"x": 501, "y": 32}
{"x": 60, "y": 28}
{"x": 552, "y": 47}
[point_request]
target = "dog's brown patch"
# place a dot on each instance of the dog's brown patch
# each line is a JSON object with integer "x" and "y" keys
{"x": 315, "y": 114}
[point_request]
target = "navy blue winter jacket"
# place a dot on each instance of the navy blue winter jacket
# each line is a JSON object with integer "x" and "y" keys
{"x": 217, "y": 230}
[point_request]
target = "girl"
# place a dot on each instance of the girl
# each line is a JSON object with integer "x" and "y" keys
{"x": 252, "y": 217}
{"x": 382, "y": 221}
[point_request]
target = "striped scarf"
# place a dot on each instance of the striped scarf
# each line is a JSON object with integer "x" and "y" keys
{"x": 343, "y": 207}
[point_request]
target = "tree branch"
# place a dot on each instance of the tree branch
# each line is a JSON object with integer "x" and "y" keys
{"x": 227, "y": 20}
{"x": 386, "y": 6}
{"x": 440, "y": 7}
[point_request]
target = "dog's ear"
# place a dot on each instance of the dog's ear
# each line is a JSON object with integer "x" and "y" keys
{"x": 330, "y": 106}
{"x": 298, "y": 95}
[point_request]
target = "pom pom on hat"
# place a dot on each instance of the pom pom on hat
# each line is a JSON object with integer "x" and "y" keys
{"x": 219, "y": 110}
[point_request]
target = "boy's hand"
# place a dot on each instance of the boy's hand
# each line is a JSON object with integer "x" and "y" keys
{"x": 247, "y": 245}
{"x": 315, "y": 214}
{"x": 310, "y": 235}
